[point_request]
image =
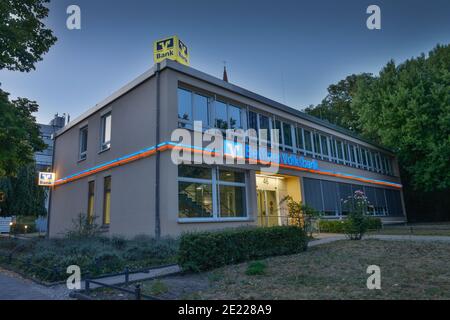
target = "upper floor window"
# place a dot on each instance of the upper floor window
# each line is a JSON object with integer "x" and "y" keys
{"x": 184, "y": 106}
{"x": 106, "y": 132}
{"x": 83, "y": 143}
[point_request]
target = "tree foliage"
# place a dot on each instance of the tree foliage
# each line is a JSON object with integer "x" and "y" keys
{"x": 24, "y": 39}
{"x": 19, "y": 134}
{"x": 23, "y": 195}
{"x": 337, "y": 107}
{"x": 407, "y": 108}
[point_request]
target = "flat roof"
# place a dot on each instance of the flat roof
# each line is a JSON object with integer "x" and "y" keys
{"x": 217, "y": 82}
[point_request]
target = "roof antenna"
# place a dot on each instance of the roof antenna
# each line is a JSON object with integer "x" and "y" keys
{"x": 225, "y": 75}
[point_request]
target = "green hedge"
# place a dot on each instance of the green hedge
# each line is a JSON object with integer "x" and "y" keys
{"x": 208, "y": 250}
{"x": 337, "y": 226}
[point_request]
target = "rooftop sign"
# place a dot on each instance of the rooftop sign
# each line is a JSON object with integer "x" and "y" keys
{"x": 171, "y": 48}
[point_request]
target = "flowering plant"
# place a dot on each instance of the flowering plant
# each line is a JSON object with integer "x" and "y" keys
{"x": 357, "y": 206}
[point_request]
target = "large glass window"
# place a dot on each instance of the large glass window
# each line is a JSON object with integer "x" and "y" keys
{"x": 299, "y": 138}
{"x": 234, "y": 117}
{"x": 220, "y": 115}
{"x": 324, "y": 144}
{"x": 106, "y": 132}
{"x": 211, "y": 193}
{"x": 201, "y": 109}
{"x": 253, "y": 120}
{"x": 308, "y": 142}
{"x": 107, "y": 201}
{"x": 287, "y": 135}
{"x": 264, "y": 124}
{"x": 83, "y": 143}
{"x": 184, "y": 106}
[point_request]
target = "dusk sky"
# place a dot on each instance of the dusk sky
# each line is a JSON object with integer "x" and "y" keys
{"x": 289, "y": 51}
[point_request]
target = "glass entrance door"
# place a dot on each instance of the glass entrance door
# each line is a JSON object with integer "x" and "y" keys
{"x": 267, "y": 208}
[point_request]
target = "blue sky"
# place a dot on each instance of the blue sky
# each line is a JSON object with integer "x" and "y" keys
{"x": 289, "y": 51}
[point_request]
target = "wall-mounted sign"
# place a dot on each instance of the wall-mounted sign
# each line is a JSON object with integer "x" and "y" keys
{"x": 171, "y": 48}
{"x": 46, "y": 178}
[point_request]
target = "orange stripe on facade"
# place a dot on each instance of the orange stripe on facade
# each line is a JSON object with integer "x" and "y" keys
{"x": 176, "y": 147}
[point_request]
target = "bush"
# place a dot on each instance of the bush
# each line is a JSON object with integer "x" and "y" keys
{"x": 338, "y": 226}
{"x": 331, "y": 226}
{"x": 374, "y": 223}
{"x": 208, "y": 250}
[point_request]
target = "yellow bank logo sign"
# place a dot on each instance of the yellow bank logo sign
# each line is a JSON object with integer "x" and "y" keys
{"x": 171, "y": 48}
{"x": 46, "y": 178}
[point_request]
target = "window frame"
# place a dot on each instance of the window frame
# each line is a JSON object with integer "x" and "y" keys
{"x": 82, "y": 155}
{"x": 105, "y": 145}
{"x": 215, "y": 182}
{"x": 105, "y": 192}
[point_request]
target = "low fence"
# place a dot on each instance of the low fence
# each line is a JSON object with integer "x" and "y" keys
{"x": 136, "y": 292}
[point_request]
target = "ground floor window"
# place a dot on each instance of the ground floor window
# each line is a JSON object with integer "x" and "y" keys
{"x": 328, "y": 196}
{"x": 211, "y": 193}
{"x": 107, "y": 201}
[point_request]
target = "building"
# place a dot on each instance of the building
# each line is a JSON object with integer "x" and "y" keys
{"x": 114, "y": 162}
{"x": 44, "y": 158}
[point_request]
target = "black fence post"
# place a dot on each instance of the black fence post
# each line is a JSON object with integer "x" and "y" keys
{"x": 137, "y": 292}
{"x": 87, "y": 284}
{"x": 127, "y": 275}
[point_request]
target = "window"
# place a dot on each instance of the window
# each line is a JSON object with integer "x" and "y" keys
{"x": 324, "y": 145}
{"x": 287, "y": 136}
{"x": 299, "y": 139}
{"x": 211, "y": 193}
{"x": 184, "y": 107}
{"x": 106, "y": 132}
{"x": 234, "y": 115}
{"x": 220, "y": 115}
{"x": 201, "y": 109}
{"x": 107, "y": 200}
{"x": 308, "y": 143}
{"x": 253, "y": 120}
{"x": 91, "y": 198}
{"x": 83, "y": 143}
{"x": 264, "y": 124}
{"x": 317, "y": 149}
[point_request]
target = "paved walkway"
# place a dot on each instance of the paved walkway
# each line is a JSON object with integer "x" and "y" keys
{"x": 14, "y": 287}
{"x": 331, "y": 237}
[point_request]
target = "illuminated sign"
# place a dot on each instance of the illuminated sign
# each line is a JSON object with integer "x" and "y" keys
{"x": 171, "y": 48}
{"x": 46, "y": 178}
{"x": 236, "y": 149}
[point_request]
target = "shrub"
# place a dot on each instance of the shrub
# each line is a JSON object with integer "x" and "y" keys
{"x": 374, "y": 223}
{"x": 338, "y": 226}
{"x": 256, "y": 268}
{"x": 301, "y": 214}
{"x": 331, "y": 226}
{"x": 207, "y": 250}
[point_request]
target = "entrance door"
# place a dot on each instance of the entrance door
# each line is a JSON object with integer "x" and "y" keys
{"x": 267, "y": 208}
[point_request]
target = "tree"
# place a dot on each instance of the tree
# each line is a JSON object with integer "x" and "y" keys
{"x": 407, "y": 108}
{"x": 23, "y": 36}
{"x": 337, "y": 107}
{"x": 23, "y": 195}
{"x": 23, "y": 41}
{"x": 19, "y": 134}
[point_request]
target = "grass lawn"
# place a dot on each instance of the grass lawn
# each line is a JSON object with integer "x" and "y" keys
{"x": 423, "y": 229}
{"x": 409, "y": 270}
